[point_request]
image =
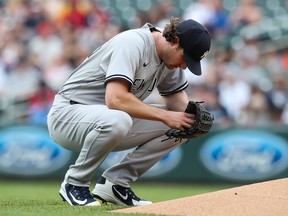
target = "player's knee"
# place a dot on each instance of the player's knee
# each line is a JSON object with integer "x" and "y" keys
{"x": 121, "y": 124}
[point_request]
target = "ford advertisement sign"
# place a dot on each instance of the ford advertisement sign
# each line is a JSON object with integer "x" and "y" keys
{"x": 245, "y": 155}
{"x": 29, "y": 151}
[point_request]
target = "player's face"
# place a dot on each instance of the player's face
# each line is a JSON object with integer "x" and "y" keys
{"x": 173, "y": 57}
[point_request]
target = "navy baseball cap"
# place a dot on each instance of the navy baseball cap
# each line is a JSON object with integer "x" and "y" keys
{"x": 195, "y": 40}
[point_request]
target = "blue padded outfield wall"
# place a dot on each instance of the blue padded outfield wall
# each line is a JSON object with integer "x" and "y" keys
{"x": 224, "y": 155}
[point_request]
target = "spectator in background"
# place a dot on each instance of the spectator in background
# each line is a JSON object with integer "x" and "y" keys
{"x": 161, "y": 13}
{"x": 284, "y": 116}
{"x": 53, "y": 10}
{"x": 99, "y": 28}
{"x": 256, "y": 112}
{"x": 11, "y": 49}
{"x": 22, "y": 81}
{"x": 46, "y": 44}
{"x": 34, "y": 15}
{"x": 73, "y": 51}
{"x": 246, "y": 13}
{"x": 277, "y": 98}
{"x": 234, "y": 93}
{"x": 200, "y": 10}
{"x": 158, "y": 15}
{"x": 274, "y": 62}
{"x": 219, "y": 25}
{"x": 40, "y": 103}
{"x": 74, "y": 13}
{"x": 97, "y": 17}
{"x": 248, "y": 58}
{"x": 284, "y": 60}
{"x": 3, "y": 87}
{"x": 57, "y": 72}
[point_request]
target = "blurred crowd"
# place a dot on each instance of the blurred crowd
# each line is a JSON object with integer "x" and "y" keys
{"x": 43, "y": 41}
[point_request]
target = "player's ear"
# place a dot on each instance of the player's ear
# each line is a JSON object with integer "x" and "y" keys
{"x": 176, "y": 42}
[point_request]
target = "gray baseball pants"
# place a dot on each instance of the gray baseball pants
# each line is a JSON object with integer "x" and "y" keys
{"x": 95, "y": 130}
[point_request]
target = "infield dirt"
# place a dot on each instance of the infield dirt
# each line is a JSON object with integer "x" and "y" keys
{"x": 268, "y": 198}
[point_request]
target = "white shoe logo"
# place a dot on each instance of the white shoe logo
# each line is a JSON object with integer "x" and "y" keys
{"x": 121, "y": 195}
{"x": 79, "y": 202}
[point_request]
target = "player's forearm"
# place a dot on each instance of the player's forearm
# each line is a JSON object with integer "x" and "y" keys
{"x": 136, "y": 108}
{"x": 177, "y": 101}
{"x": 118, "y": 97}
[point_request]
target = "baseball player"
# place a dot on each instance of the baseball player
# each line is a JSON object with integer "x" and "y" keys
{"x": 100, "y": 108}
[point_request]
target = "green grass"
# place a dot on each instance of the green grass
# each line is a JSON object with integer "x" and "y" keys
{"x": 32, "y": 198}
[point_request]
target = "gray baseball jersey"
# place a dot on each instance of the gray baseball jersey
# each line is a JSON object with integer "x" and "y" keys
{"x": 95, "y": 130}
{"x": 131, "y": 55}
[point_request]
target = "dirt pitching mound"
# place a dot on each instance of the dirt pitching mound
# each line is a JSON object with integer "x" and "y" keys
{"x": 268, "y": 198}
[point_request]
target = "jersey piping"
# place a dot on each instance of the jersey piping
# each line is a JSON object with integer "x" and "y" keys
{"x": 183, "y": 87}
{"x": 118, "y": 76}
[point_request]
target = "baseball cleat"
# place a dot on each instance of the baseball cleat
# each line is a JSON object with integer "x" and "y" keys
{"x": 106, "y": 191}
{"x": 77, "y": 196}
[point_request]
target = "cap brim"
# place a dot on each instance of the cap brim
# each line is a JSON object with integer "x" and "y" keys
{"x": 193, "y": 66}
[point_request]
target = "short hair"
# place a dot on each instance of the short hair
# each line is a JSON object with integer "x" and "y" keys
{"x": 170, "y": 32}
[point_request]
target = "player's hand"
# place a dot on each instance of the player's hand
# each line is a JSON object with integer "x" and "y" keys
{"x": 203, "y": 123}
{"x": 179, "y": 120}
